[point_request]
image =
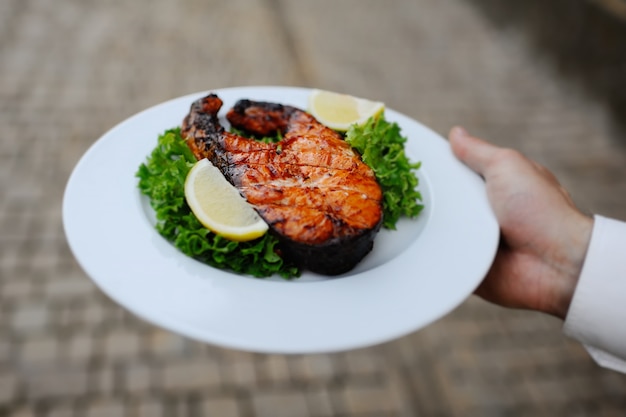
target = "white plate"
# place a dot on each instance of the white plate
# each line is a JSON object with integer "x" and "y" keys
{"x": 413, "y": 276}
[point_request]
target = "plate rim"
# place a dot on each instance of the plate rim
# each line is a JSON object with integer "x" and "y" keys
{"x": 227, "y": 341}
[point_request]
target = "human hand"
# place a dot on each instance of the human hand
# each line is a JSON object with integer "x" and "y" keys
{"x": 544, "y": 237}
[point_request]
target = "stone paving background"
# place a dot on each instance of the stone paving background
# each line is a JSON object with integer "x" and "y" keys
{"x": 545, "y": 77}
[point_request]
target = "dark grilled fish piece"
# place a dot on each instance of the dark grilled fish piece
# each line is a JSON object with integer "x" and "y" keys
{"x": 312, "y": 189}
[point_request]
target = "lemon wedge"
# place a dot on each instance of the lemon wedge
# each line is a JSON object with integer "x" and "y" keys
{"x": 340, "y": 111}
{"x": 219, "y": 206}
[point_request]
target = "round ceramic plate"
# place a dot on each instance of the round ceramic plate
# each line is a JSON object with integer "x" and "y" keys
{"x": 414, "y": 275}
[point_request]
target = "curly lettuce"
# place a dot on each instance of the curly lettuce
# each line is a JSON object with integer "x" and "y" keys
{"x": 162, "y": 179}
{"x": 381, "y": 146}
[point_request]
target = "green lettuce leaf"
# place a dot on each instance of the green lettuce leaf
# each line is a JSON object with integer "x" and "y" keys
{"x": 381, "y": 146}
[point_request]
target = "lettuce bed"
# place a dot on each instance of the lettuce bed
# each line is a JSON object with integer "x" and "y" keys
{"x": 162, "y": 180}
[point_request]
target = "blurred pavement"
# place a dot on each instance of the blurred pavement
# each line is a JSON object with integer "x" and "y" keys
{"x": 547, "y": 78}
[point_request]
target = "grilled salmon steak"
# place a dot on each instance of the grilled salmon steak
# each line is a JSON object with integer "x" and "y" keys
{"x": 313, "y": 190}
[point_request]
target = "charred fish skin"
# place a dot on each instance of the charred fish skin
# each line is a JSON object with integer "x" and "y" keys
{"x": 318, "y": 197}
{"x": 260, "y": 118}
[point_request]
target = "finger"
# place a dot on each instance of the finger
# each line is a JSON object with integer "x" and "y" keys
{"x": 474, "y": 152}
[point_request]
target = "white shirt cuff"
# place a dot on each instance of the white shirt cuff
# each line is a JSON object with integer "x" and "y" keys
{"x": 597, "y": 313}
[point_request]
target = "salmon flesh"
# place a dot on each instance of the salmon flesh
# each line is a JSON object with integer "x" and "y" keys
{"x": 318, "y": 197}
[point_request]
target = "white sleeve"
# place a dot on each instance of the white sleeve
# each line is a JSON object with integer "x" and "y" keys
{"x": 597, "y": 314}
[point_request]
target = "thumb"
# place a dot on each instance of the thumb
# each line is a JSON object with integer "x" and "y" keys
{"x": 474, "y": 152}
